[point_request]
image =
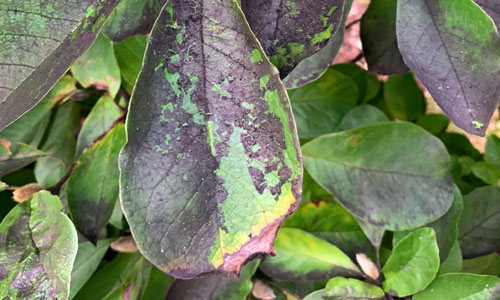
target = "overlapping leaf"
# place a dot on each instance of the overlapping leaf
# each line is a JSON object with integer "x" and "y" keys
{"x": 352, "y": 289}
{"x": 212, "y": 159}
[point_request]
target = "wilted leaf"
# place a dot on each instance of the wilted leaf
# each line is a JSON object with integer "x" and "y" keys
{"x": 319, "y": 106}
{"x": 360, "y": 116}
{"x": 404, "y": 98}
{"x": 388, "y": 167}
{"x": 124, "y": 244}
{"x": 215, "y": 287}
{"x": 480, "y": 223}
{"x": 413, "y": 264}
{"x": 462, "y": 286}
{"x": 132, "y": 17}
{"x": 301, "y": 256}
{"x": 378, "y": 34}
{"x": 492, "y": 8}
{"x": 38, "y": 245}
{"x": 98, "y": 67}
{"x": 368, "y": 267}
{"x": 261, "y": 290}
{"x": 40, "y": 41}
{"x": 291, "y": 31}
{"x": 202, "y": 165}
{"x": 452, "y": 47}
{"x": 93, "y": 185}
{"x": 129, "y": 55}
{"x": 352, "y": 289}
{"x": 24, "y": 156}
{"x": 25, "y": 192}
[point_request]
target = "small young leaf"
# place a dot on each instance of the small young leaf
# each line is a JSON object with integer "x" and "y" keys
{"x": 461, "y": 286}
{"x": 38, "y": 245}
{"x": 404, "y": 98}
{"x": 434, "y": 123}
{"x": 301, "y": 256}
{"x": 489, "y": 173}
{"x": 413, "y": 264}
{"x": 452, "y": 47}
{"x": 3, "y": 186}
{"x": 352, "y": 289}
{"x": 360, "y": 116}
{"x": 378, "y": 34}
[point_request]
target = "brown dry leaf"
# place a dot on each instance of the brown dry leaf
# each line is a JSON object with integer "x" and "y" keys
{"x": 368, "y": 267}
{"x": 25, "y": 192}
{"x": 124, "y": 244}
{"x": 262, "y": 291}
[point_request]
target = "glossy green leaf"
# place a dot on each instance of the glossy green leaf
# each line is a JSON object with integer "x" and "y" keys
{"x": 489, "y": 173}
{"x": 480, "y": 223}
{"x": 378, "y": 35}
{"x": 202, "y": 165}
{"x": 404, "y": 98}
{"x": 460, "y": 286}
{"x": 486, "y": 265}
{"x": 434, "y": 123}
{"x": 332, "y": 223}
{"x": 319, "y": 106}
{"x": 368, "y": 84}
{"x": 11, "y": 161}
{"x": 215, "y": 287}
{"x": 29, "y": 129}
{"x": 492, "y": 150}
{"x": 98, "y": 67}
{"x": 100, "y": 119}
{"x": 60, "y": 143}
{"x": 413, "y": 264}
{"x": 316, "y": 295}
{"x": 132, "y": 17}
{"x": 300, "y": 256}
{"x": 352, "y": 289}
{"x": 360, "y": 116}
{"x": 383, "y": 168}
{"x": 311, "y": 68}
{"x": 87, "y": 260}
{"x": 291, "y": 31}
{"x": 492, "y": 8}
{"x": 453, "y": 262}
{"x": 452, "y": 47}
{"x": 38, "y": 245}
{"x": 39, "y": 43}
{"x": 129, "y": 55}
{"x": 93, "y": 185}
{"x": 158, "y": 285}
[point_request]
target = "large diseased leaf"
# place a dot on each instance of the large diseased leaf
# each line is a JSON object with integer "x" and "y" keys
{"x": 378, "y": 34}
{"x": 452, "y": 46}
{"x": 290, "y": 31}
{"x": 39, "y": 41}
{"x": 212, "y": 160}
{"x": 392, "y": 175}
{"x": 38, "y": 245}
{"x": 132, "y": 17}
{"x": 492, "y": 8}
{"x": 479, "y": 227}
{"x": 93, "y": 185}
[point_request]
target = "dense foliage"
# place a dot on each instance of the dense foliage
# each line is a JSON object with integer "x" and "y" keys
{"x": 209, "y": 149}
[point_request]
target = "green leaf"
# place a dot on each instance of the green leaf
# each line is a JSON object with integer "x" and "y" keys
{"x": 311, "y": 68}
{"x": 215, "y": 287}
{"x": 158, "y": 285}
{"x": 98, "y": 67}
{"x": 486, "y": 265}
{"x": 352, "y": 289}
{"x": 458, "y": 144}
{"x": 202, "y": 158}
{"x": 378, "y": 35}
{"x": 316, "y": 295}
{"x": 360, "y": 116}
{"x": 332, "y": 223}
{"x": 99, "y": 121}
{"x": 60, "y": 143}
{"x": 384, "y": 168}
{"x": 492, "y": 150}
{"x": 129, "y": 55}
{"x": 492, "y": 8}
{"x": 24, "y": 156}
{"x": 132, "y": 17}
{"x": 462, "y": 286}
{"x": 452, "y": 47}
{"x": 87, "y": 260}
{"x": 39, "y": 43}
{"x": 404, "y": 98}
{"x": 480, "y": 223}
{"x": 300, "y": 256}
{"x": 29, "y": 128}
{"x": 291, "y": 31}
{"x": 489, "y": 173}
{"x": 312, "y": 191}
{"x": 319, "y": 106}
{"x": 368, "y": 84}
{"x": 3, "y": 186}
{"x": 453, "y": 262}
{"x": 38, "y": 245}
{"x": 413, "y": 264}
{"x": 434, "y": 123}
{"x": 93, "y": 185}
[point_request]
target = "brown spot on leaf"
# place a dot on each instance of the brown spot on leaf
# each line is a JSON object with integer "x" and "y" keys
{"x": 26, "y": 192}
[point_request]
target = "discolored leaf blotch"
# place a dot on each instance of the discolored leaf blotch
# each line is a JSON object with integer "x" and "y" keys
{"x": 212, "y": 159}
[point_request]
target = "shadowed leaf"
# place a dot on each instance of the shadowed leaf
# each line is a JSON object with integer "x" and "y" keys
{"x": 129, "y": 55}
{"x": 404, "y": 98}
{"x": 360, "y": 116}
{"x": 487, "y": 265}
{"x": 24, "y": 156}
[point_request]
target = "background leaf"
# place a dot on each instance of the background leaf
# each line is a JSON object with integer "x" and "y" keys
{"x": 360, "y": 116}
{"x": 404, "y": 98}
{"x": 129, "y": 55}
{"x": 350, "y": 288}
